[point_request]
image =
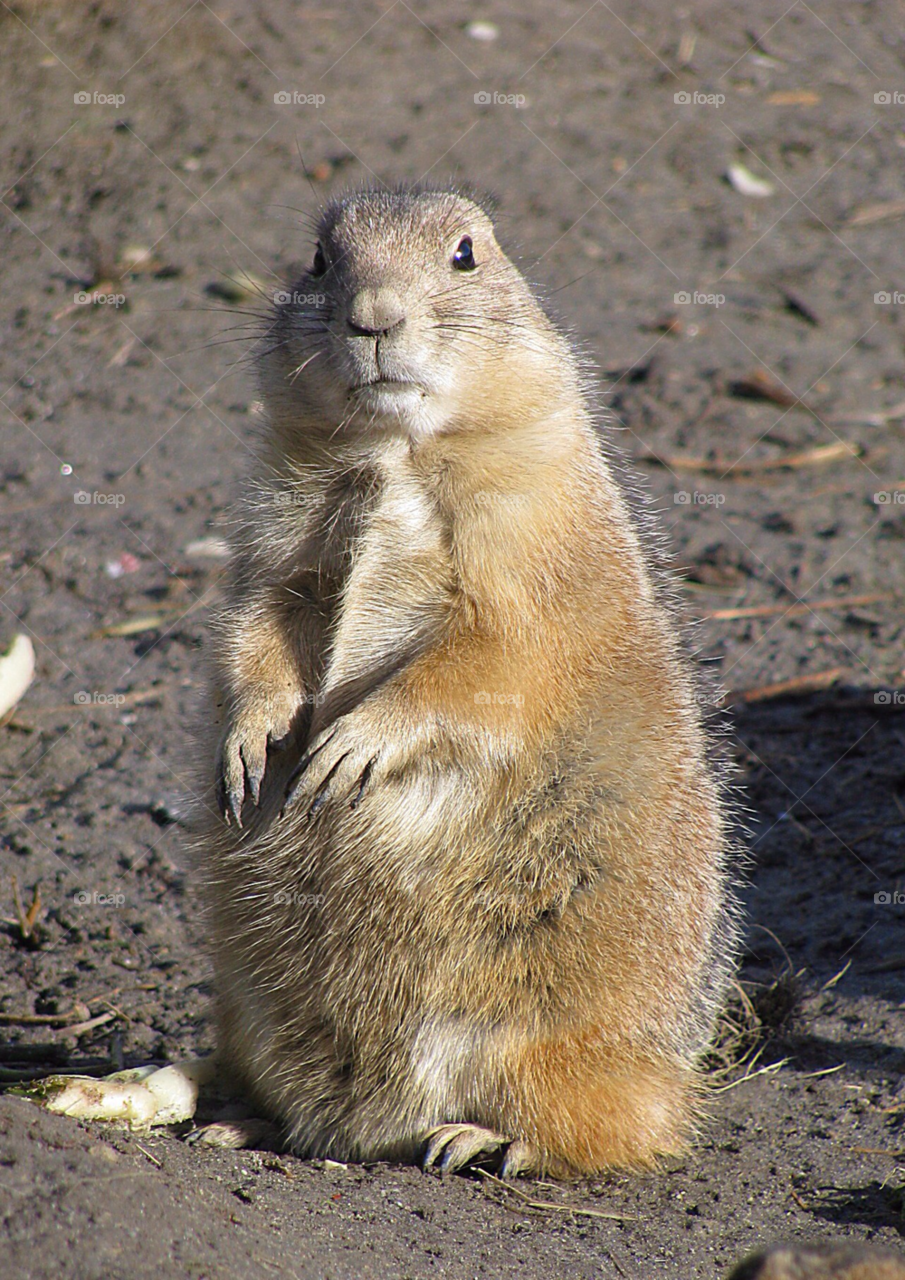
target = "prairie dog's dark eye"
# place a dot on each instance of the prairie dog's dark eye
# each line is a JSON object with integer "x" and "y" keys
{"x": 463, "y": 258}
{"x": 319, "y": 265}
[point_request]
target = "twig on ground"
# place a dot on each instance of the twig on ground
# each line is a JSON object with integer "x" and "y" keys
{"x": 796, "y": 610}
{"x": 805, "y": 458}
{"x": 785, "y": 688}
{"x": 548, "y": 1205}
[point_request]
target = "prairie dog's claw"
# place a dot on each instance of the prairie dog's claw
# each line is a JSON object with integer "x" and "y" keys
{"x": 254, "y": 761}
{"x": 456, "y": 1145}
{"x": 295, "y": 783}
{"x": 243, "y": 757}
{"x": 232, "y": 773}
{"x": 453, "y": 1146}
{"x": 230, "y": 790}
{"x": 335, "y": 767}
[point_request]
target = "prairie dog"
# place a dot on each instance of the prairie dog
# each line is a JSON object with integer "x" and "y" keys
{"x": 468, "y": 889}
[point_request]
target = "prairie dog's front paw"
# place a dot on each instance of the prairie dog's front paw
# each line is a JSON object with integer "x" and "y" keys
{"x": 243, "y": 750}
{"x": 338, "y": 765}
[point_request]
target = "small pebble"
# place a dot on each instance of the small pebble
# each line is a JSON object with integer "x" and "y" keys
{"x": 137, "y": 258}
{"x": 126, "y": 563}
{"x": 747, "y": 183}
{"x": 483, "y": 31}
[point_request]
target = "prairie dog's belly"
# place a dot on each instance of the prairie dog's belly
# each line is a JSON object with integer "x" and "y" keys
{"x": 448, "y": 1053}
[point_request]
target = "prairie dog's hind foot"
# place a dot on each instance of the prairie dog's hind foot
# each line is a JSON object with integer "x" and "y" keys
{"x": 453, "y": 1146}
{"x": 237, "y": 1135}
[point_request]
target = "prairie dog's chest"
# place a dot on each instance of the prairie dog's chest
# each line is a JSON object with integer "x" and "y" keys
{"x": 399, "y": 559}
{"x": 397, "y": 580}
{"x": 402, "y": 519}
{"x": 383, "y": 514}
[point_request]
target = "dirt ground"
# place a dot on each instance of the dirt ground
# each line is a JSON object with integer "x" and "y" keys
{"x": 764, "y": 417}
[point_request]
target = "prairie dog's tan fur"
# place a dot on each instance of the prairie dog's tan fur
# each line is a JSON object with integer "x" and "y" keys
{"x": 493, "y": 910}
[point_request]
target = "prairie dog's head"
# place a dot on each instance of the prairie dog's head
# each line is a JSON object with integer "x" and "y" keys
{"x": 409, "y": 319}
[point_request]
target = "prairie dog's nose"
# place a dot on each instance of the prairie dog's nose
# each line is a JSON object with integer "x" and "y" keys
{"x": 374, "y": 312}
